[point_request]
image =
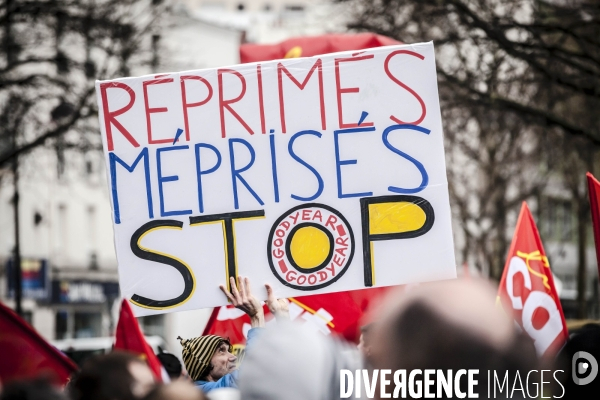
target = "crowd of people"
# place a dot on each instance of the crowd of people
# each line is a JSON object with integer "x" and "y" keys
{"x": 450, "y": 325}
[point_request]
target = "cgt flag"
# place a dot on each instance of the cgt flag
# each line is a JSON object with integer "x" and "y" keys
{"x": 129, "y": 337}
{"x": 594, "y": 193}
{"x": 527, "y": 289}
{"x": 24, "y": 354}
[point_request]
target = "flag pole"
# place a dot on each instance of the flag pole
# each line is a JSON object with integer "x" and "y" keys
{"x": 17, "y": 250}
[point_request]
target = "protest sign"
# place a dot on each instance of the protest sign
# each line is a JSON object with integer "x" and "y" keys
{"x": 317, "y": 175}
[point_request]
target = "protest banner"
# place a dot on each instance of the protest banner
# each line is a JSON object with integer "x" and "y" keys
{"x": 318, "y": 175}
{"x": 527, "y": 291}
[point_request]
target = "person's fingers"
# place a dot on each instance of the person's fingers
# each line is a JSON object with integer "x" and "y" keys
{"x": 229, "y": 296}
{"x": 234, "y": 289}
{"x": 242, "y": 289}
{"x": 270, "y": 295}
{"x": 247, "y": 287}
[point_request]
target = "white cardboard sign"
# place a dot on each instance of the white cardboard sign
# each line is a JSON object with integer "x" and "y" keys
{"x": 316, "y": 175}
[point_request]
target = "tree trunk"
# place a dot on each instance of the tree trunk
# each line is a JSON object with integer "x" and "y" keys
{"x": 500, "y": 245}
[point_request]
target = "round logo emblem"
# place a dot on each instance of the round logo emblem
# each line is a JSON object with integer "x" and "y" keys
{"x": 310, "y": 247}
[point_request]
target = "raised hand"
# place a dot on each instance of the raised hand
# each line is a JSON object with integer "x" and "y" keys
{"x": 278, "y": 307}
{"x": 241, "y": 297}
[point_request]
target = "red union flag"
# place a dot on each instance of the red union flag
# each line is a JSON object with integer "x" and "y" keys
{"x": 527, "y": 288}
{"x": 312, "y": 46}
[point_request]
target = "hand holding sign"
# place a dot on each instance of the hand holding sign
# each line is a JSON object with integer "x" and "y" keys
{"x": 278, "y": 307}
{"x": 243, "y": 299}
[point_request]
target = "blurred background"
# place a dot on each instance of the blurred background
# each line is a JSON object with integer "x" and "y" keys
{"x": 519, "y": 85}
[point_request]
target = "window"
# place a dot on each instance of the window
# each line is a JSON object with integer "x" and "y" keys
{"x": 61, "y": 325}
{"x": 93, "y": 263}
{"x": 92, "y": 237}
{"x": 89, "y": 167}
{"x": 87, "y": 325}
{"x": 60, "y": 162}
{"x": 37, "y": 218}
{"x": 91, "y": 224}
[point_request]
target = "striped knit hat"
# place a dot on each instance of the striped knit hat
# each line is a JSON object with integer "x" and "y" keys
{"x": 197, "y": 353}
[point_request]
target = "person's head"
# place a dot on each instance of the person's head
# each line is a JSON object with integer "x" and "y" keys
{"x": 114, "y": 376}
{"x": 449, "y": 325}
{"x": 171, "y": 364}
{"x": 208, "y": 357}
{"x": 38, "y": 389}
{"x": 179, "y": 390}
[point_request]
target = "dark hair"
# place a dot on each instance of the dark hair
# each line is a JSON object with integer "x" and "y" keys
{"x": 422, "y": 338}
{"x": 171, "y": 363}
{"x": 37, "y": 389}
{"x": 173, "y": 391}
{"x": 105, "y": 377}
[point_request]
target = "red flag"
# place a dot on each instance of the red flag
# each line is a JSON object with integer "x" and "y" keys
{"x": 24, "y": 354}
{"x": 129, "y": 337}
{"x": 312, "y": 46}
{"x": 527, "y": 288}
{"x": 332, "y": 313}
{"x": 594, "y": 193}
